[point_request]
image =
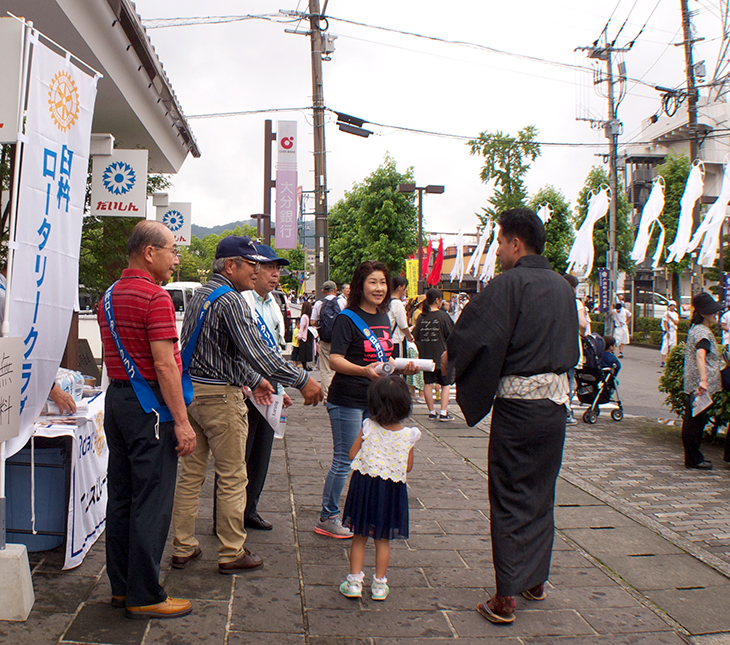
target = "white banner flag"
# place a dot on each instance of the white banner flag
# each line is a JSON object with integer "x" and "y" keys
{"x": 178, "y": 218}
{"x": 119, "y": 184}
{"x": 51, "y": 196}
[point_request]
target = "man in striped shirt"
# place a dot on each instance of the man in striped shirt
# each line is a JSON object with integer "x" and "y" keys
{"x": 230, "y": 353}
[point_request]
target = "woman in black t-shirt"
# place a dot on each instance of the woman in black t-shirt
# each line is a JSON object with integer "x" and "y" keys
{"x": 353, "y": 360}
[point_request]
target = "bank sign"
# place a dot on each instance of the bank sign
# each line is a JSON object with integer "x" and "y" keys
{"x": 178, "y": 218}
{"x": 119, "y": 184}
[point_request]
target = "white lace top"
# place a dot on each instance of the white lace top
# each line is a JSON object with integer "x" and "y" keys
{"x": 384, "y": 453}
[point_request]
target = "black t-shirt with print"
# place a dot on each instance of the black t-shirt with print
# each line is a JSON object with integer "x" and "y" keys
{"x": 349, "y": 341}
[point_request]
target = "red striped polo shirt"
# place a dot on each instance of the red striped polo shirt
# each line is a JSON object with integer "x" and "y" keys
{"x": 143, "y": 312}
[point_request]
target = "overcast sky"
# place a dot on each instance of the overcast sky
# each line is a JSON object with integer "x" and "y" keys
{"x": 399, "y": 80}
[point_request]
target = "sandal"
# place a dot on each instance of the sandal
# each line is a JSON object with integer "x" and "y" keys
{"x": 499, "y": 610}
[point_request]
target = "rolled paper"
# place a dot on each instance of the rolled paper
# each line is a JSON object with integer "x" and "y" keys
{"x": 423, "y": 364}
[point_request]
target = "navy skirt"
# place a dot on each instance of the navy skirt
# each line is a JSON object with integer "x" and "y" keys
{"x": 376, "y": 508}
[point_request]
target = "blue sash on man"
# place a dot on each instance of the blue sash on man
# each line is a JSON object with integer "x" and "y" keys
{"x": 147, "y": 398}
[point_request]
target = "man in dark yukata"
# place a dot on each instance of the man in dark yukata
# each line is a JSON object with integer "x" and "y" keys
{"x": 511, "y": 348}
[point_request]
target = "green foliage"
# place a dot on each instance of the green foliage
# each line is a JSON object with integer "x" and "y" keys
{"x": 671, "y": 383}
{"x": 196, "y": 259}
{"x": 374, "y": 221}
{"x": 675, "y": 171}
{"x": 559, "y": 232}
{"x": 506, "y": 161}
{"x": 103, "y": 253}
{"x": 624, "y": 232}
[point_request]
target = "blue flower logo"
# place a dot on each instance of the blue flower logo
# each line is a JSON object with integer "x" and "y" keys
{"x": 173, "y": 219}
{"x": 119, "y": 178}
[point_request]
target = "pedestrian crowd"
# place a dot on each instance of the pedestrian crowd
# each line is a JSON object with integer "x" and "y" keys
{"x": 511, "y": 350}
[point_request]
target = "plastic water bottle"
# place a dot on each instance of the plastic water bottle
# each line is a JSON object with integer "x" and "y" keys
{"x": 78, "y": 386}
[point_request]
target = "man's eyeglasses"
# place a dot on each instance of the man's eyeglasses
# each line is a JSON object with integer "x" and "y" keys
{"x": 255, "y": 265}
{"x": 173, "y": 249}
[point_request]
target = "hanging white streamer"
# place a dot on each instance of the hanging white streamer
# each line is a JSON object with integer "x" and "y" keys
{"x": 715, "y": 217}
{"x": 476, "y": 257}
{"x": 582, "y": 253}
{"x": 458, "y": 269}
{"x": 490, "y": 261}
{"x": 692, "y": 192}
{"x": 659, "y": 246}
{"x": 650, "y": 214}
{"x": 545, "y": 212}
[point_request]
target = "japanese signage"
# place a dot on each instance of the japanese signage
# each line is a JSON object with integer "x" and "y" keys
{"x": 286, "y": 185}
{"x": 119, "y": 184}
{"x": 55, "y": 162}
{"x": 177, "y": 217}
{"x": 603, "y": 288}
{"x": 11, "y": 54}
{"x": 412, "y": 276}
{"x": 11, "y": 359}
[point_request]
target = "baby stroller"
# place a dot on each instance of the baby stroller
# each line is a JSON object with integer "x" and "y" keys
{"x": 596, "y": 386}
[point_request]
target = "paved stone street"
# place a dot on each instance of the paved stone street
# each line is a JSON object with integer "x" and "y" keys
{"x": 639, "y": 557}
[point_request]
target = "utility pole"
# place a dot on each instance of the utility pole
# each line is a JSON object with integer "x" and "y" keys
{"x": 612, "y": 128}
{"x": 321, "y": 258}
{"x": 691, "y": 87}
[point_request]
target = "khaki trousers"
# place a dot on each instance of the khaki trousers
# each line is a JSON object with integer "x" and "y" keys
{"x": 325, "y": 371}
{"x": 219, "y": 417}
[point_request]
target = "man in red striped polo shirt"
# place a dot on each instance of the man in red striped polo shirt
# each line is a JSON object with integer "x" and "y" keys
{"x": 143, "y": 452}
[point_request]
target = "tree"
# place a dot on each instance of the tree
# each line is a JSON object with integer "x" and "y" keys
{"x": 373, "y": 221}
{"x": 103, "y": 253}
{"x": 197, "y": 258}
{"x": 675, "y": 171}
{"x": 506, "y": 161}
{"x": 559, "y": 232}
{"x": 624, "y": 232}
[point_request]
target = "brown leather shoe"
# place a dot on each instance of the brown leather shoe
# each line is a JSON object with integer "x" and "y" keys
{"x": 244, "y": 563}
{"x": 181, "y": 561}
{"x": 168, "y": 608}
{"x": 119, "y": 601}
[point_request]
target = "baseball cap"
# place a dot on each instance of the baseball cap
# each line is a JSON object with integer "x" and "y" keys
{"x": 239, "y": 245}
{"x": 270, "y": 254}
{"x": 329, "y": 286}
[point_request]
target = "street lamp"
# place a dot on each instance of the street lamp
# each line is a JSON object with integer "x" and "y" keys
{"x": 412, "y": 188}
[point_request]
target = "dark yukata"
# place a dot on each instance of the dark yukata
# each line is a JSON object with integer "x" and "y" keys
{"x": 512, "y": 347}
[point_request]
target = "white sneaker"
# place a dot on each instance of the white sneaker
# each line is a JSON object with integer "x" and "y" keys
{"x": 332, "y": 528}
{"x": 351, "y": 589}
{"x": 379, "y": 590}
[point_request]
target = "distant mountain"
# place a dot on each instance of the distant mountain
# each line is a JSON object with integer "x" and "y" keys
{"x": 201, "y": 231}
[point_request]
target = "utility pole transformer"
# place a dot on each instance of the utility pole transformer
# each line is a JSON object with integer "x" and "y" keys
{"x": 321, "y": 258}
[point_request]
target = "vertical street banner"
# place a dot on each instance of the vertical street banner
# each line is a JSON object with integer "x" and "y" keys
{"x": 286, "y": 185}
{"x": 119, "y": 184}
{"x": 603, "y": 283}
{"x": 412, "y": 277}
{"x": 178, "y": 218}
{"x": 44, "y": 284}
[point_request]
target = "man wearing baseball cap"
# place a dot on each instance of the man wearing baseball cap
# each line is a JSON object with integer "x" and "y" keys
{"x": 329, "y": 306}
{"x": 227, "y": 354}
{"x": 270, "y": 321}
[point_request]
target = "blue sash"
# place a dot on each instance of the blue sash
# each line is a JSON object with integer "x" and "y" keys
{"x": 141, "y": 387}
{"x": 367, "y": 332}
{"x": 265, "y": 331}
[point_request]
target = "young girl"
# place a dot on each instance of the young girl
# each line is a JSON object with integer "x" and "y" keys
{"x": 377, "y": 500}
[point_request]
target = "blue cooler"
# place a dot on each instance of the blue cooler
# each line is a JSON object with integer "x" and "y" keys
{"x": 52, "y": 475}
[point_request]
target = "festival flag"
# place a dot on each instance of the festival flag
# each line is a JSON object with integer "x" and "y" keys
{"x": 426, "y": 261}
{"x": 435, "y": 276}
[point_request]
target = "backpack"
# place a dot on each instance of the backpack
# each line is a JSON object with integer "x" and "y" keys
{"x": 327, "y": 314}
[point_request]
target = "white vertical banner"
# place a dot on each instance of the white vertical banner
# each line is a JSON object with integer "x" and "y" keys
{"x": 119, "y": 184}
{"x": 51, "y": 196}
{"x": 177, "y": 217}
{"x": 286, "y": 185}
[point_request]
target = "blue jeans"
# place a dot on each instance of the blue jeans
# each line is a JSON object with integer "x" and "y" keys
{"x": 346, "y": 424}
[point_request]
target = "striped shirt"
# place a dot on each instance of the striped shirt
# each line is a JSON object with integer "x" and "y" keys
{"x": 143, "y": 313}
{"x": 230, "y": 348}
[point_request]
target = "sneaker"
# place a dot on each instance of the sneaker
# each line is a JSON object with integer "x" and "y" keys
{"x": 351, "y": 589}
{"x": 332, "y": 528}
{"x": 432, "y": 416}
{"x": 379, "y": 590}
{"x": 446, "y": 417}
{"x": 571, "y": 421}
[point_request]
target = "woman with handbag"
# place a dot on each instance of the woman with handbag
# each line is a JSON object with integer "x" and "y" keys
{"x": 702, "y": 365}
